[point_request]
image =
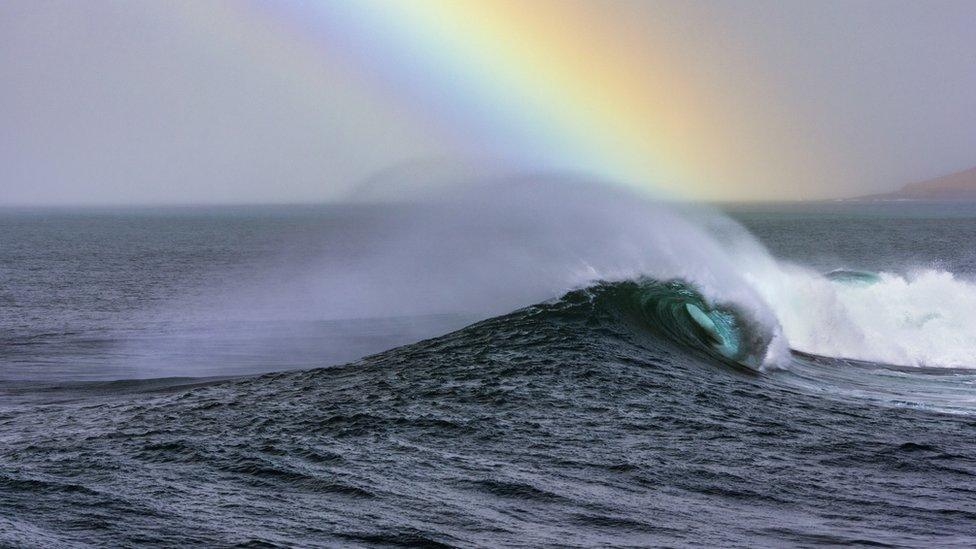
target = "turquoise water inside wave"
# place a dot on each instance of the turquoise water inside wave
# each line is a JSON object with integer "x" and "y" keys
{"x": 627, "y": 413}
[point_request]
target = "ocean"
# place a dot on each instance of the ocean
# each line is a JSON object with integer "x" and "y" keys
{"x": 489, "y": 372}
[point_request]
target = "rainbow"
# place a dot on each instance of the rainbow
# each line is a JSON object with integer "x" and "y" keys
{"x": 545, "y": 84}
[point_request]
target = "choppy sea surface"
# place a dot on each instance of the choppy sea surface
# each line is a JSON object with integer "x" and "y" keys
{"x": 202, "y": 377}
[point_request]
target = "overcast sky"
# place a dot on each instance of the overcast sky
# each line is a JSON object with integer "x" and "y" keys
{"x": 156, "y": 102}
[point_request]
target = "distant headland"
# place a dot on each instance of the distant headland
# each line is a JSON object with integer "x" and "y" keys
{"x": 956, "y": 186}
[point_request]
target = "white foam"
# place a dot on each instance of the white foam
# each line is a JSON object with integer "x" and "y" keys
{"x": 921, "y": 319}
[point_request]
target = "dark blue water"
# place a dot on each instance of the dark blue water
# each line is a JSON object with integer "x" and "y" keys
{"x": 606, "y": 416}
{"x": 137, "y": 293}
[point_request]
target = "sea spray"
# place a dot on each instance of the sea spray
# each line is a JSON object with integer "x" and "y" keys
{"x": 476, "y": 246}
{"x": 482, "y": 246}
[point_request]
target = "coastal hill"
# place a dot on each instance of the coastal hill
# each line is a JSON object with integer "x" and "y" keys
{"x": 956, "y": 186}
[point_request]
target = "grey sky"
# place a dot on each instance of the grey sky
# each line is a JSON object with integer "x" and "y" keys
{"x": 126, "y": 102}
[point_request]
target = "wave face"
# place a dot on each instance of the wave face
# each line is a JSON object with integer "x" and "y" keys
{"x": 676, "y": 310}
